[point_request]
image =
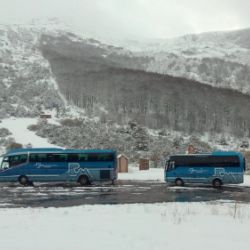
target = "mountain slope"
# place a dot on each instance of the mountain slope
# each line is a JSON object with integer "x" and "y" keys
{"x": 46, "y": 69}
{"x": 157, "y": 101}
{"x": 220, "y": 59}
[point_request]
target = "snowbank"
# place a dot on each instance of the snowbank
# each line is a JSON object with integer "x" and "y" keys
{"x": 153, "y": 174}
{"x": 172, "y": 226}
{"x": 19, "y": 130}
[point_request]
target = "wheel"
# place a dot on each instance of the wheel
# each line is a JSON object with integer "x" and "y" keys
{"x": 217, "y": 183}
{"x": 23, "y": 180}
{"x": 179, "y": 182}
{"x": 84, "y": 180}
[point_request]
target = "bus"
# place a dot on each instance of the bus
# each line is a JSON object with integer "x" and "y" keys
{"x": 216, "y": 168}
{"x": 58, "y": 165}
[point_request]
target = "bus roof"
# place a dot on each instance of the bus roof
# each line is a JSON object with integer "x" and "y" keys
{"x": 214, "y": 153}
{"x": 57, "y": 150}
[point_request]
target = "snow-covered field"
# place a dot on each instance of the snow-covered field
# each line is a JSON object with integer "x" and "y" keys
{"x": 172, "y": 226}
{"x": 19, "y": 130}
{"x": 153, "y": 174}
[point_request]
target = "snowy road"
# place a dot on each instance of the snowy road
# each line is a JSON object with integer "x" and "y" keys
{"x": 124, "y": 192}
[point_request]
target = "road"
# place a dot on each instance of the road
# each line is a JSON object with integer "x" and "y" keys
{"x": 62, "y": 195}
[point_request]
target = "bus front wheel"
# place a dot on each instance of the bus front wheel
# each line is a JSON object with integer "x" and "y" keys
{"x": 83, "y": 180}
{"x": 23, "y": 180}
{"x": 217, "y": 183}
{"x": 179, "y": 182}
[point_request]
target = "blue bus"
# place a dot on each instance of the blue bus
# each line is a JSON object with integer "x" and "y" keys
{"x": 216, "y": 168}
{"x": 58, "y": 165}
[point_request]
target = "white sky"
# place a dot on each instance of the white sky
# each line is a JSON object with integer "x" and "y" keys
{"x": 133, "y": 19}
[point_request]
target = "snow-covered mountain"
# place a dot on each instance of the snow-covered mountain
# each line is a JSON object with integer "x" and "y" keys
{"x": 53, "y": 68}
{"x": 27, "y": 83}
{"x": 220, "y": 59}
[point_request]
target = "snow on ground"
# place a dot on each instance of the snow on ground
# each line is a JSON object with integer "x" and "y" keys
{"x": 174, "y": 226}
{"x": 153, "y": 174}
{"x": 19, "y": 130}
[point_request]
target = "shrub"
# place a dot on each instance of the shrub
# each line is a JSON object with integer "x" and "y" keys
{"x": 33, "y": 127}
{"x": 71, "y": 122}
{"x": 14, "y": 145}
{"x": 4, "y": 132}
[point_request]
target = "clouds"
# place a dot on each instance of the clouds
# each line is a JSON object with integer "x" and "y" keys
{"x": 134, "y": 19}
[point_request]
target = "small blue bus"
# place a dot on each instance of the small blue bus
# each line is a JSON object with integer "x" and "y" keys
{"x": 216, "y": 168}
{"x": 58, "y": 165}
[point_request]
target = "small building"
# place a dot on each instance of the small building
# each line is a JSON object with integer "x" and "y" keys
{"x": 191, "y": 149}
{"x": 122, "y": 163}
{"x": 143, "y": 164}
{"x": 45, "y": 116}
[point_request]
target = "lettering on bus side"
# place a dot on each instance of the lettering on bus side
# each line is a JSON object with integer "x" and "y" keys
{"x": 75, "y": 169}
{"x": 40, "y": 165}
{"x": 197, "y": 171}
{"x": 222, "y": 173}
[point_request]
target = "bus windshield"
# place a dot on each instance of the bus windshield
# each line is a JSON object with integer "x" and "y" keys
{"x": 4, "y": 163}
{"x": 1, "y": 161}
{"x": 170, "y": 165}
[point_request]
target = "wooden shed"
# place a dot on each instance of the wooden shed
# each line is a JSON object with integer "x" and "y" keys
{"x": 122, "y": 163}
{"x": 143, "y": 164}
{"x": 191, "y": 149}
{"x": 45, "y": 116}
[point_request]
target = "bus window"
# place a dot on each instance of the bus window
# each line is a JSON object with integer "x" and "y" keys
{"x": 73, "y": 157}
{"x": 93, "y": 157}
{"x": 38, "y": 157}
{"x": 83, "y": 157}
{"x": 60, "y": 157}
{"x": 105, "y": 157}
{"x": 100, "y": 157}
{"x": 15, "y": 160}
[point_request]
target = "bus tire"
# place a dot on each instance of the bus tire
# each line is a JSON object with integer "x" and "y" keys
{"x": 83, "y": 180}
{"x": 179, "y": 182}
{"x": 23, "y": 180}
{"x": 217, "y": 183}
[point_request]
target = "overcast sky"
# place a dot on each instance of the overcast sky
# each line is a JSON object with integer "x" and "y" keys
{"x": 134, "y": 19}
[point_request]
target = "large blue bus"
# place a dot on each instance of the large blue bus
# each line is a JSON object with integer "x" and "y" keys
{"x": 216, "y": 168}
{"x": 55, "y": 165}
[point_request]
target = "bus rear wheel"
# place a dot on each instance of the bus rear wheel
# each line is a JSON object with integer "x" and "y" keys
{"x": 83, "y": 180}
{"x": 217, "y": 183}
{"x": 23, "y": 180}
{"x": 179, "y": 182}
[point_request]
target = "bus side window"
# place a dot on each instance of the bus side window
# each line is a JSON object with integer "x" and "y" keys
{"x": 83, "y": 157}
{"x": 17, "y": 160}
{"x": 73, "y": 157}
{"x": 93, "y": 157}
